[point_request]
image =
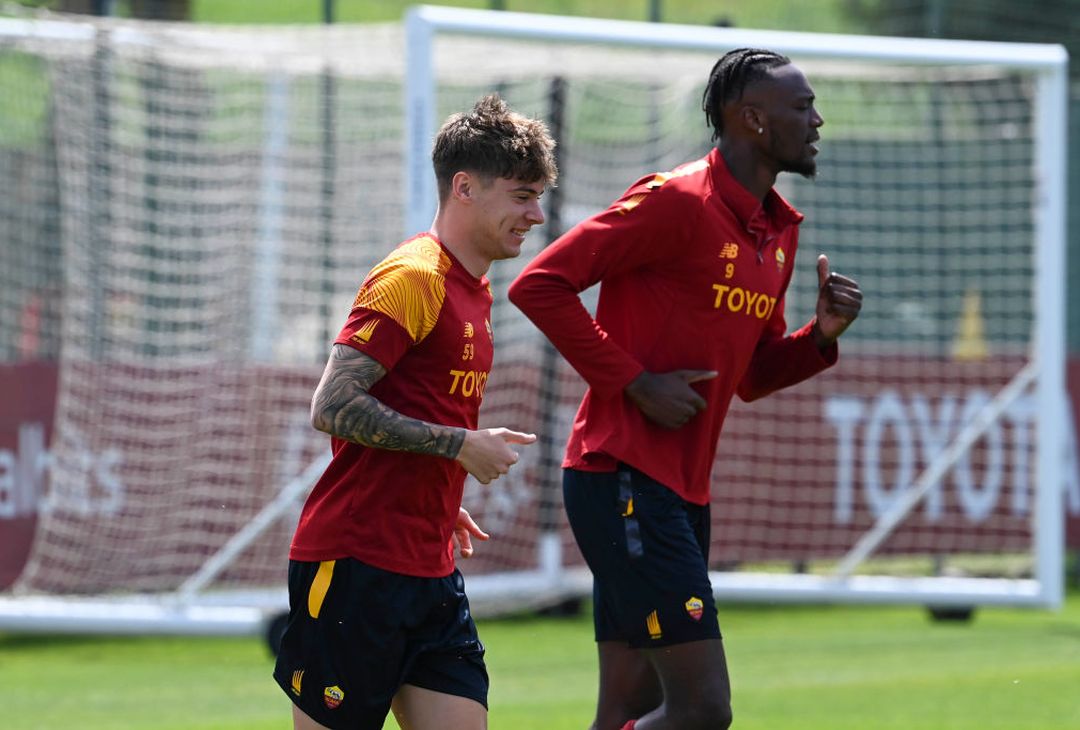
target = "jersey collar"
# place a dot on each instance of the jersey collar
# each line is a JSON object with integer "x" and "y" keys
{"x": 751, "y": 212}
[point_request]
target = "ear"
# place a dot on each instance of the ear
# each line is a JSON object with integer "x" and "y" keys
{"x": 461, "y": 186}
{"x": 752, "y": 119}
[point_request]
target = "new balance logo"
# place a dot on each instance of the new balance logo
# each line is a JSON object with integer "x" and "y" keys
{"x": 630, "y": 203}
{"x": 652, "y": 623}
{"x": 297, "y": 680}
{"x": 363, "y": 335}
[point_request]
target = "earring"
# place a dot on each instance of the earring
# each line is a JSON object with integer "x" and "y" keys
{"x": 760, "y": 130}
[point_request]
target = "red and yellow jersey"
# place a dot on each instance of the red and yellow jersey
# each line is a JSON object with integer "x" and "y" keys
{"x": 427, "y": 321}
{"x": 692, "y": 270}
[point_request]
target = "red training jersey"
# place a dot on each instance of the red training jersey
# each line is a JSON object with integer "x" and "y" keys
{"x": 427, "y": 321}
{"x": 693, "y": 270}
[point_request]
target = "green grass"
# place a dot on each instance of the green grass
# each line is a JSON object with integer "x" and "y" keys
{"x": 806, "y": 15}
{"x": 822, "y": 16}
{"x": 809, "y": 15}
{"x": 24, "y": 88}
{"x": 804, "y": 668}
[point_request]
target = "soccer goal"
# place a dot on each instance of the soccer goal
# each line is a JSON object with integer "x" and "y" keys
{"x": 188, "y": 211}
{"x": 927, "y": 466}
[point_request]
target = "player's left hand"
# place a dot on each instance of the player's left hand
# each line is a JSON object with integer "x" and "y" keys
{"x": 464, "y": 531}
{"x": 838, "y": 304}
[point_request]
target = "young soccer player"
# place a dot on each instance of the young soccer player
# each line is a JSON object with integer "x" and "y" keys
{"x": 693, "y": 265}
{"x": 378, "y": 614}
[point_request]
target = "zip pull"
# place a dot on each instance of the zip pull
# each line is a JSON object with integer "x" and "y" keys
{"x": 762, "y": 245}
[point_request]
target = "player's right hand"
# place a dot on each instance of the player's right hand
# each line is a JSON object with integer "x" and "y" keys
{"x": 667, "y": 399}
{"x": 464, "y": 531}
{"x": 486, "y": 453}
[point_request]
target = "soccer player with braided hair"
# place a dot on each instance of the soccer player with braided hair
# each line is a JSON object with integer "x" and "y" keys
{"x": 693, "y": 265}
{"x": 378, "y": 616}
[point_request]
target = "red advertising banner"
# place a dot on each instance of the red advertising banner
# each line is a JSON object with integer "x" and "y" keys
{"x": 132, "y": 476}
{"x": 196, "y": 452}
{"x": 804, "y": 473}
{"x": 28, "y": 395}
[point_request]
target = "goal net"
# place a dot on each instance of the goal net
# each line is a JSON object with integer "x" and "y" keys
{"x": 190, "y": 210}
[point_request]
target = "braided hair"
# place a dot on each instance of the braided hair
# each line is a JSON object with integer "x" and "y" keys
{"x": 729, "y": 78}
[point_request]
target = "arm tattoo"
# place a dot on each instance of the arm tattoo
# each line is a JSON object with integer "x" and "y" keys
{"x": 342, "y": 407}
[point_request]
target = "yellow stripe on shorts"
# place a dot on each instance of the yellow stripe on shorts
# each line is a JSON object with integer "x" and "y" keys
{"x": 319, "y": 587}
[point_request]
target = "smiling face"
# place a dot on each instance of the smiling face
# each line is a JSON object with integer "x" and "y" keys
{"x": 503, "y": 209}
{"x": 788, "y": 118}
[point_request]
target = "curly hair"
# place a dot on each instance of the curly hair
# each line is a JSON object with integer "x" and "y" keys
{"x": 729, "y": 78}
{"x": 493, "y": 141}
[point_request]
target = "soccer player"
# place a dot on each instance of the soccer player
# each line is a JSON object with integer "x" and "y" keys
{"x": 693, "y": 265}
{"x": 378, "y": 615}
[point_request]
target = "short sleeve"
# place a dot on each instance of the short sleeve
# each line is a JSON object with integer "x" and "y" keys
{"x": 375, "y": 334}
{"x": 399, "y": 302}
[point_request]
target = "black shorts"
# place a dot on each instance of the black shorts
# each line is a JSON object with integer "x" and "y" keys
{"x": 648, "y": 551}
{"x": 357, "y": 633}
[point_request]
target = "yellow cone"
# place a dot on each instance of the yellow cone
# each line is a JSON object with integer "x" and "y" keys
{"x": 970, "y": 342}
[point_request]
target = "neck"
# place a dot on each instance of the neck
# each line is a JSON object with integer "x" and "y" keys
{"x": 744, "y": 166}
{"x": 458, "y": 240}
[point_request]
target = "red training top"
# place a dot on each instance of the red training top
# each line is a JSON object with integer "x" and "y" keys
{"x": 693, "y": 270}
{"x": 427, "y": 321}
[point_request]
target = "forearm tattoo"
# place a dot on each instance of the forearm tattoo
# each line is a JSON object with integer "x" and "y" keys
{"x": 343, "y": 407}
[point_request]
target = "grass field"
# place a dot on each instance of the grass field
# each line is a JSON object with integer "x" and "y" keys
{"x": 810, "y": 15}
{"x": 823, "y": 16}
{"x": 804, "y": 668}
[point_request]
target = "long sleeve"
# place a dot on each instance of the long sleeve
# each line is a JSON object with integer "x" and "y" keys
{"x": 637, "y": 231}
{"x": 781, "y": 361}
{"x": 693, "y": 270}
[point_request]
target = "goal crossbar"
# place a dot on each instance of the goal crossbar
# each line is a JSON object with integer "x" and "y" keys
{"x": 424, "y": 22}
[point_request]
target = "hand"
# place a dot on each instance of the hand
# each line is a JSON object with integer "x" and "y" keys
{"x": 838, "y": 304}
{"x": 464, "y": 531}
{"x": 486, "y": 454}
{"x": 667, "y": 399}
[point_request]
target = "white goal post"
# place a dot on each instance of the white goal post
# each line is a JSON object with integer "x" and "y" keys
{"x": 189, "y": 209}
